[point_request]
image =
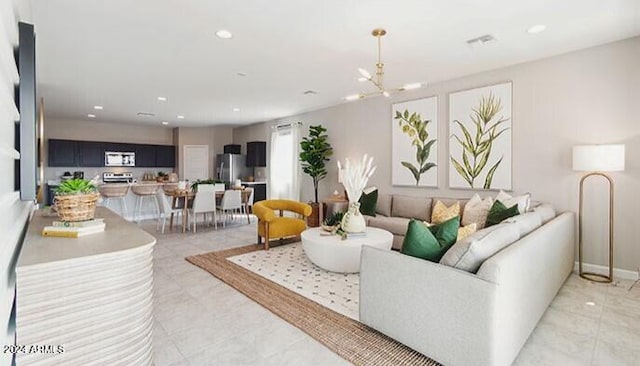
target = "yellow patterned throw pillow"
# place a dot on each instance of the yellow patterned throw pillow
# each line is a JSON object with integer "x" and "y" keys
{"x": 465, "y": 231}
{"x": 442, "y": 213}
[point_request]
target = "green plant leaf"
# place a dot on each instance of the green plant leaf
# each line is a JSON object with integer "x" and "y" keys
{"x": 461, "y": 171}
{"x": 482, "y": 163}
{"x": 467, "y": 136}
{"x": 413, "y": 169}
{"x": 467, "y": 165}
{"x": 489, "y": 178}
{"x": 426, "y": 167}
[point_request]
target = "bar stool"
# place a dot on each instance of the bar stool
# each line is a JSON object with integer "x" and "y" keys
{"x": 144, "y": 191}
{"x": 114, "y": 191}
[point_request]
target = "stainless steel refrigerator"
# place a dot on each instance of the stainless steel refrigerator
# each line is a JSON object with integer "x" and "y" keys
{"x": 230, "y": 167}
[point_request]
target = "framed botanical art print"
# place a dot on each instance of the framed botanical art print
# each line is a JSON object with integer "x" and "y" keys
{"x": 414, "y": 147}
{"x": 480, "y": 125}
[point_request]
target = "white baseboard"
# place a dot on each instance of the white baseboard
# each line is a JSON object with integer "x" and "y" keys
{"x": 618, "y": 273}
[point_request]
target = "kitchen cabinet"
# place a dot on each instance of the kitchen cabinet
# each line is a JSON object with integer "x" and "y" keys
{"x": 145, "y": 155}
{"x": 63, "y": 153}
{"x": 91, "y": 154}
{"x": 165, "y": 156}
{"x": 259, "y": 190}
{"x": 257, "y": 154}
{"x": 70, "y": 153}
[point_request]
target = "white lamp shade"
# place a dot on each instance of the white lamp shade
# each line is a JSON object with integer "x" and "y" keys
{"x": 598, "y": 158}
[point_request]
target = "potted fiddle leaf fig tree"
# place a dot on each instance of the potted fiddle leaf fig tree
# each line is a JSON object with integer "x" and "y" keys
{"x": 315, "y": 152}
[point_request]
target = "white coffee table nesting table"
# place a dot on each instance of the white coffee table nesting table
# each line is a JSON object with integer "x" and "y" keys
{"x": 332, "y": 253}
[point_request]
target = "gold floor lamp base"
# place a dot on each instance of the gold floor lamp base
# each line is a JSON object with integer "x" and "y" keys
{"x": 596, "y": 277}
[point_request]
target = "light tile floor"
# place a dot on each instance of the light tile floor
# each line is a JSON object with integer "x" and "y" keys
{"x": 202, "y": 321}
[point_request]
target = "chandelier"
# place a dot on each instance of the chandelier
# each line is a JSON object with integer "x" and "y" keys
{"x": 378, "y": 80}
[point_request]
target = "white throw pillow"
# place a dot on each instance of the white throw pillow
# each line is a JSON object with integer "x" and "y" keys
{"x": 476, "y": 211}
{"x": 523, "y": 201}
{"x": 546, "y": 212}
{"x": 469, "y": 253}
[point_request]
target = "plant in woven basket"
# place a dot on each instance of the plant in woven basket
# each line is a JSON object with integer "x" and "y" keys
{"x": 75, "y": 200}
{"x": 476, "y": 145}
{"x": 75, "y": 186}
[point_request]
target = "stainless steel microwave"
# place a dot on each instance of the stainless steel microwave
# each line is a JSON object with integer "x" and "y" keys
{"x": 113, "y": 158}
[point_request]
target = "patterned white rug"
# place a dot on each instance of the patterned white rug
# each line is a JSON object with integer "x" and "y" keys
{"x": 288, "y": 266}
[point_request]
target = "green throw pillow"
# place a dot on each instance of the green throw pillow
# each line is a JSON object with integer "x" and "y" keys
{"x": 499, "y": 212}
{"x": 430, "y": 242}
{"x": 368, "y": 203}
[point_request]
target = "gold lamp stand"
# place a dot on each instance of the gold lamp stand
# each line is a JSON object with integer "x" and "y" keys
{"x": 596, "y": 277}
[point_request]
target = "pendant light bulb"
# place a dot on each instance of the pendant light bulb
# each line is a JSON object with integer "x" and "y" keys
{"x": 364, "y": 73}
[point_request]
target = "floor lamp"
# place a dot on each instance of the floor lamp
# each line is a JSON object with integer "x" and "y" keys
{"x": 597, "y": 159}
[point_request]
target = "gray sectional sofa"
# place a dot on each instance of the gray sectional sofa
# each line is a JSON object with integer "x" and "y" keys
{"x": 393, "y": 213}
{"x": 457, "y": 317}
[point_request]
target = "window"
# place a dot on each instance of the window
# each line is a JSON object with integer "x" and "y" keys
{"x": 284, "y": 174}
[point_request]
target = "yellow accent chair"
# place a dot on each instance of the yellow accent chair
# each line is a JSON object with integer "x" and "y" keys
{"x": 277, "y": 226}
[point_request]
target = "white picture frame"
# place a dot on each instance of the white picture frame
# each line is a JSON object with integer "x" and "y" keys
{"x": 407, "y": 168}
{"x": 486, "y": 161}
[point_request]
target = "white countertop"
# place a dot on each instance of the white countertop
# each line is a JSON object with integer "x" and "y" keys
{"x": 118, "y": 235}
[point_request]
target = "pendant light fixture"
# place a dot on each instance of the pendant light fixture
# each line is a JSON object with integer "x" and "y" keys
{"x": 378, "y": 79}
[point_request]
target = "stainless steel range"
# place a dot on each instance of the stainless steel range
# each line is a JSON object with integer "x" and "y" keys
{"x": 111, "y": 177}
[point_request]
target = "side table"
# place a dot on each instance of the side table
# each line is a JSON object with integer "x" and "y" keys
{"x": 332, "y": 205}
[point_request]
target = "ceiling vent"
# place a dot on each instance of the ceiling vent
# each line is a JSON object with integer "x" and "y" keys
{"x": 309, "y": 92}
{"x": 146, "y": 114}
{"x": 481, "y": 41}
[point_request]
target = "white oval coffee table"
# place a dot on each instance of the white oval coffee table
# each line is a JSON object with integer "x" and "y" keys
{"x": 332, "y": 253}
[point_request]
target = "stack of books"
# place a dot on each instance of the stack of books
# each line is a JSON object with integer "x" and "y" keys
{"x": 74, "y": 229}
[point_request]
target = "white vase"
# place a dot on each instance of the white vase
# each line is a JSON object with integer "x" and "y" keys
{"x": 353, "y": 221}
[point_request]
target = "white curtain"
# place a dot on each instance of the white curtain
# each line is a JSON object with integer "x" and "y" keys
{"x": 284, "y": 165}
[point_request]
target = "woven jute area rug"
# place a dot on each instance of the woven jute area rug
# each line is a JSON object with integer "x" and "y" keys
{"x": 352, "y": 340}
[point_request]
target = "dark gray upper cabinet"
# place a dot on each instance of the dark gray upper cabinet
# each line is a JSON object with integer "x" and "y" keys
{"x": 145, "y": 156}
{"x": 69, "y": 153}
{"x": 91, "y": 154}
{"x": 256, "y": 154}
{"x": 165, "y": 156}
{"x": 63, "y": 153}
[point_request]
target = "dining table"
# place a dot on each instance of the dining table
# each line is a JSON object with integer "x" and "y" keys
{"x": 186, "y": 195}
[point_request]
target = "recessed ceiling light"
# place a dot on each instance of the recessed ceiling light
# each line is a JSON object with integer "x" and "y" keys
{"x": 162, "y": 99}
{"x": 224, "y": 34}
{"x": 236, "y": 109}
{"x": 165, "y": 123}
{"x": 309, "y": 92}
{"x": 145, "y": 114}
{"x": 97, "y": 107}
{"x": 180, "y": 116}
{"x": 590, "y": 303}
{"x": 243, "y": 74}
{"x": 537, "y": 29}
{"x": 362, "y": 79}
{"x": 353, "y": 97}
{"x": 91, "y": 115}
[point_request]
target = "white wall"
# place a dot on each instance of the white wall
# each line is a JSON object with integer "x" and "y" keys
{"x": 587, "y": 96}
{"x": 15, "y": 212}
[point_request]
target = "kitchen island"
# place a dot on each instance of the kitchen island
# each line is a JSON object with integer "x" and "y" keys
{"x": 88, "y": 298}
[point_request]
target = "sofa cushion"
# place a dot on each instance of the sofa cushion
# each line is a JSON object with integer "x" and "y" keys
{"x": 450, "y": 201}
{"x": 411, "y": 207}
{"x": 430, "y": 242}
{"x": 526, "y": 223}
{"x": 476, "y": 211}
{"x": 546, "y": 212}
{"x": 384, "y": 204}
{"x": 395, "y": 225}
{"x": 368, "y": 201}
{"x": 441, "y": 213}
{"x": 469, "y": 254}
{"x": 500, "y": 212}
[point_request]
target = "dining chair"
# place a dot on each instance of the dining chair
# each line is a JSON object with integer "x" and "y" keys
{"x": 249, "y": 202}
{"x": 203, "y": 202}
{"x": 165, "y": 209}
{"x": 219, "y": 187}
{"x": 231, "y": 201}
